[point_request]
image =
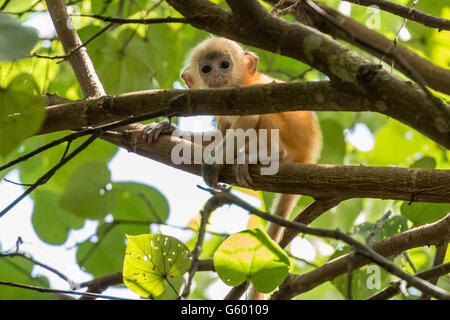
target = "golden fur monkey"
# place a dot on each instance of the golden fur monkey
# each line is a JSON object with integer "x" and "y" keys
{"x": 219, "y": 63}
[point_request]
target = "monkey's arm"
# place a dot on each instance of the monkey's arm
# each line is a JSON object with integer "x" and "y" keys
{"x": 154, "y": 130}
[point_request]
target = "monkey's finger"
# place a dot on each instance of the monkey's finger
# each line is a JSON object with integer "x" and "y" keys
{"x": 153, "y": 130}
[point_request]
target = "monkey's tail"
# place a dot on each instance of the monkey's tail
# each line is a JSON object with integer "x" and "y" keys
{"x": 284, "y": 207}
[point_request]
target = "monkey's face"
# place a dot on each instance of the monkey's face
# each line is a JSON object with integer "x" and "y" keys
{"x": 216, "y": 69}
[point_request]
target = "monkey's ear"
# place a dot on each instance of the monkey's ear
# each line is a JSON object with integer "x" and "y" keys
{"x": 188, "y": 78}
{"x": 251, "y": 62}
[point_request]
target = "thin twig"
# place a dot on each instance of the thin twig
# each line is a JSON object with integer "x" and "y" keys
{"x": 366, "y": 251}
{"x": 410, "y": 72}
{"x": 394, "y": 288}
{"x": 48, "y": 174}
{"x": 408, "y": 259}
{"x": 377, "y": 227}
{"x": 84, "y": 44}
{"x": 138, "y": 21}
{"x": 42, "y": 289}
{"x": 211, "y": 205}
{"x": 4, "y": 5}
{"x": 81, "y": 133}
{"x": 43, "y": 265}
{"x": 439, "y": 258}
{"x": 407, "y": 13}
{"x": 351, "y": 259}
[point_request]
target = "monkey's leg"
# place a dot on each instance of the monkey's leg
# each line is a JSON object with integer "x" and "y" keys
{"x": 241, "y": 172}
{"x": 211, "y": 168}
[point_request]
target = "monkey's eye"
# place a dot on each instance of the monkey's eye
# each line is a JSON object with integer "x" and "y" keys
{"x": 224, "y": 64}
{"x": 206, "y": 69}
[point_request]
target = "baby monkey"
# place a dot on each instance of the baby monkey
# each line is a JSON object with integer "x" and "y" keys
{"x": 221, "y": 63}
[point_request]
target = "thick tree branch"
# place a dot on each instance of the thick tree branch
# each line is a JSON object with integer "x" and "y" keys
{"x": 421, "y": 236}
{"x": 257, "y": 99}
{"x": 276, "y": 97}
{"x": 318, "y": 181}
{"x": 308, "y": 215}
{"x": 436, "y": 77}
{"x": 407, "y": 13}
{"x": 348, "y": 70}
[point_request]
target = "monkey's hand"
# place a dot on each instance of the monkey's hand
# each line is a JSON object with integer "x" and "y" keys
{"x": 153, "y": 130}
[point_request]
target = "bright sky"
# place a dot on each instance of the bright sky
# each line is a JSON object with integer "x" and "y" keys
{"x": 185, "y": 201}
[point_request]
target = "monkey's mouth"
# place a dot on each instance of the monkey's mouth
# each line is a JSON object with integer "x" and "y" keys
{"x": 219, "y": 84}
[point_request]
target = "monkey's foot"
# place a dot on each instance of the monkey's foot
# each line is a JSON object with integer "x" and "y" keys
{"x": 153, "y": 130}
{"x": 210, "y": 174}
{"x": 242, "y": 175}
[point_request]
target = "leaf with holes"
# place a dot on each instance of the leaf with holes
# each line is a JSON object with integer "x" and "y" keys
{"x": 151, "y": 261}
{"x": 251, "y": 255}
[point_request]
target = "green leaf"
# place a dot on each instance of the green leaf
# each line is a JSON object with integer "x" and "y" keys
{"x": 366, "y": 281}
{"x": 252, "y": 255}
{"x": 22, "y": 97}
{"x": 342, "y": 217}
{"x": 104, "y": 254}
{"x": 398, "y": 144}
{"x": 137, "y": 201}
{"x": 33, "y": 168}
{"x": 333, "y": 142}
{"x": 16, "y": 41}
{"x": 422, "y": 212}
{"x": 267, "y": 199}
{"x": 425, "y": 163}
{"x": 152, "y": 259}
{"x": 391, "y": 226}
{"x": 51, "y": 222}
{"x": 87, "y": 193}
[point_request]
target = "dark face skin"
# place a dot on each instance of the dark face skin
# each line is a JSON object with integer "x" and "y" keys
{"x": 215, "y": 68}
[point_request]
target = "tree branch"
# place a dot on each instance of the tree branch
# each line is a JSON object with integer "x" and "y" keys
{"x": 359, "y": 35}
{"x": 439, "y": 258}
{"x": 308, "y": 215}
{"x": 421, "y": 236}
{"x": 407, "y": 13}
{"x": 348, "y": 70}
{"x": 136, "y": 21}
{"x": 257, "y": 99}
{"x": 363, "y": 250}
{"x": 80, "y": 61}
{"x": 41, "y": 289}
{"x": 317, "y": 181}
{"x": 394, "y": 288}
